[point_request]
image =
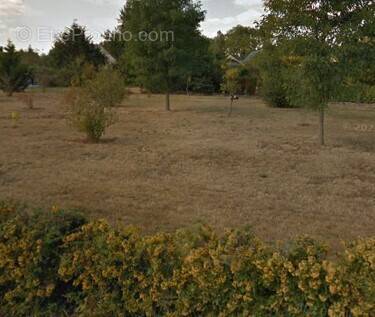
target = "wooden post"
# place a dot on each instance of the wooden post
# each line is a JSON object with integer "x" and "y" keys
{"x": 167, "y": 101}
{"x": 321, "y": 126}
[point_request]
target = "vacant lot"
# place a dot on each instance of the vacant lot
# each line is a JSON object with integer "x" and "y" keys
{"x": 160, "y": 171}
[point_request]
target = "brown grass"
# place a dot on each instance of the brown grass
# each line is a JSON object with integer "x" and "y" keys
{"x": 261, "y": 167}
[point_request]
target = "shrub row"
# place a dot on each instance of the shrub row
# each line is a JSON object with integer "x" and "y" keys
{"x": 55, "y": 263}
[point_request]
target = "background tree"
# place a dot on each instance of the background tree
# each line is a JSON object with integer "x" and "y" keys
{"x": 114, "y": 43}
{"x": 317, "y": 31}
{"x": 14, "y": 75}
{"x": 241, "y": 40}
{"x": 358, "y": 53}
{"x": 72, "y": 51}
{"x": 217, "y": 51}
{"x": 201, "y": 73}
{"x": 75, "y": 43}
{"x": 157, "y": 64}
{"x": 31, "y": 57}
{"x": 273, "y": 81}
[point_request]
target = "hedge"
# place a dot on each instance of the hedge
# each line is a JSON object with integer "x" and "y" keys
{"x": 56, "y": 263}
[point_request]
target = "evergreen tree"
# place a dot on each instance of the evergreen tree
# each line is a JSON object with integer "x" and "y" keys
{"x": 73, "y": 44}
{"x": 14, "y": 75}
{"x": 159, "y": 63}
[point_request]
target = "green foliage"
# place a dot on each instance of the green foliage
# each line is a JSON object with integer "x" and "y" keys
{"x": 242, "y": 79}
{"x": 33, "y": 61}
{"x": 80, "y": 72}
{"x": 324, "y": 35}
{"x": 237, "y": 43}
{"x": 30, "y": 248}
{"x": 73, "y": 52}
{"x": 114, "y": 43}
{"x": 332, "y": 38}
{"x": 54, "y": 263}
{"x": 47, "y": 76}
{"x": 273, "y": 77}
{"x": 355, "y": 92}
{"x": 74, "y": 43}
{"x": 201, "y": 72}
{"x": 157, "y": 64}
{"x": 240, "y": 41}
{"x": 14, "y": 75}
{"x": 132, "y": 275}
{"x": 231, "y": 83}
{"x": 107, "y": 88}
{"x": 217, "y": 52}
{"x": 91, "y": 107}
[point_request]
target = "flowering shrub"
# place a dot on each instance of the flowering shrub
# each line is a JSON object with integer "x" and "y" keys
{"x": 54, "y": 263}
{"x": 30, "y": 250}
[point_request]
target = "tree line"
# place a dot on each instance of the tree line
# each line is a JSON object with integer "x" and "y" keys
{"x": 301, "y": 53}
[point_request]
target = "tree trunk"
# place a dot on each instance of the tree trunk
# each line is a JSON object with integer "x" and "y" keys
{"x": 167, "y": 101}
{"x": 231, "y": 107}
{"x": 321, "y": 126}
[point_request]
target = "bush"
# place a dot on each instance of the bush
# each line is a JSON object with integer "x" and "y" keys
{"x": 92, "y": 106}
{"x": 120, "y": 273}
{"x": 54, "y": 263}
{"x": 30, "y": 248}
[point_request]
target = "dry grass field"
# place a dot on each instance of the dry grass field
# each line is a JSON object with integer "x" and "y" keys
{"x": 261, "y": 167}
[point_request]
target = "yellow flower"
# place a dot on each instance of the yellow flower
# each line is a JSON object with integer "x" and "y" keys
{"x": 333, "y": 289}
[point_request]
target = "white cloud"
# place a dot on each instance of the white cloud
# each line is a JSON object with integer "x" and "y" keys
{"x": 251, "y": 4}
{"x": 105, "y": 2}
{"x": 211, "y": 26}
{"x": 10, "y": 8}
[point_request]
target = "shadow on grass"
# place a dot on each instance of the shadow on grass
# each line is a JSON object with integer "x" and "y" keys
{"x": 360, "y": 142}
{"x": 86, "y": 141}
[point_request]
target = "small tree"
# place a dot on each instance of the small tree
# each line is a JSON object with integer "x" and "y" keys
{"x": 14, "y": 76}
{"x": 231, "y": 85}
{"x": 317, "y": 31}
{"x": 159, "y": 62}
{"x": 91, "y": 107}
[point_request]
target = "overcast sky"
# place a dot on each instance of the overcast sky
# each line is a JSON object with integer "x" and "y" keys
{"x": 32, "y": 22}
